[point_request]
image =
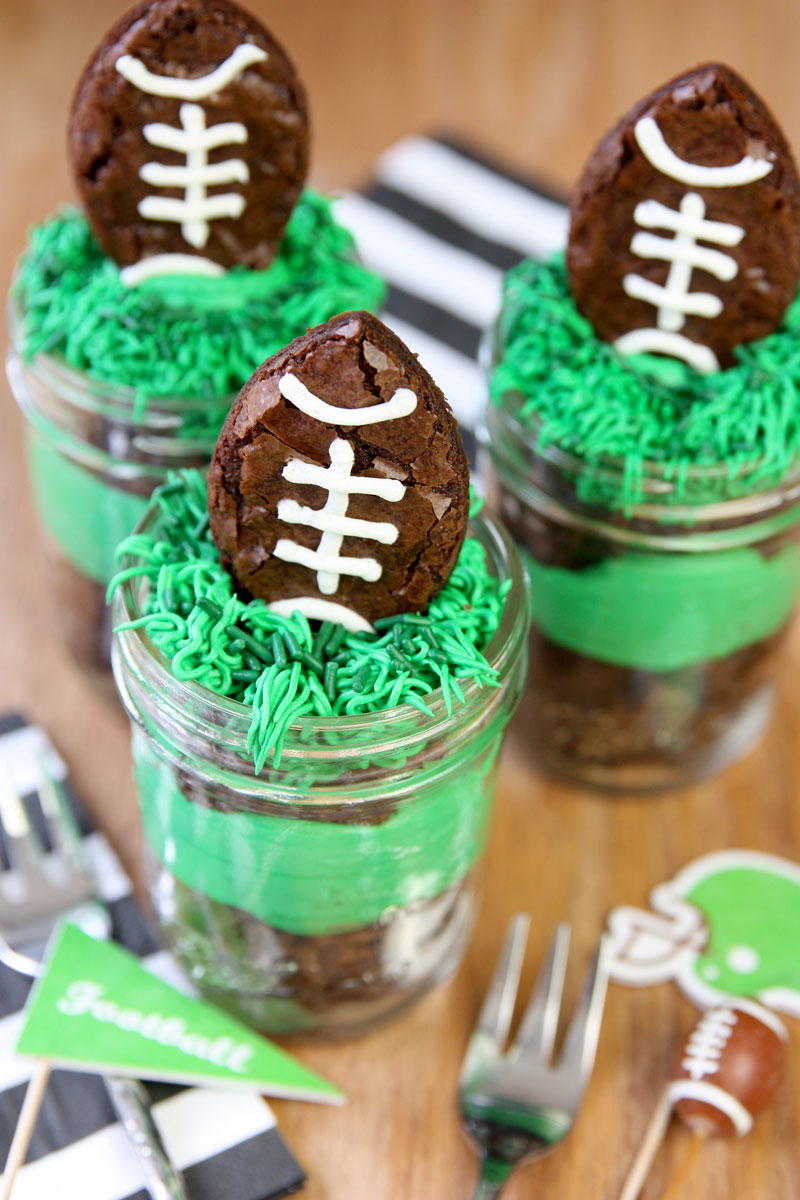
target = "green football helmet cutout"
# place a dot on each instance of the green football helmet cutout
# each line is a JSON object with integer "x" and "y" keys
{"x": 727, "y": 925}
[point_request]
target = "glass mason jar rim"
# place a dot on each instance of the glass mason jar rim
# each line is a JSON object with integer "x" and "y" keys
{"x": 102, "y": 397}
{"x": 196, "y": 710}
{"x": 499, "y": 424}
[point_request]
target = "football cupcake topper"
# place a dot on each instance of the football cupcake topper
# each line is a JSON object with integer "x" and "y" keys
{"x": 726, "y": 1073}
{"x": 339, "y": 487}
{"x": 189, "y": 140}
{"x": 685, "y": 225}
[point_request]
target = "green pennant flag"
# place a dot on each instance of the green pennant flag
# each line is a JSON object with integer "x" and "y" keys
{"x": 96, "y": 1008}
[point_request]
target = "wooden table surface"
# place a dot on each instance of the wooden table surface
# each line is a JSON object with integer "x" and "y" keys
{"x": 536, "y": 81}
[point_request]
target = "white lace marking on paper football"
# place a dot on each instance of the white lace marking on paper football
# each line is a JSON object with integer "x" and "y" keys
{"x": 707, "y": 1042}
{"x": 673, "y": 301}
{"x": 401, "y": 404}
{"x": 194, "y": 139}
{"x": 716, "y": 1097}
{"x": 327, "y": 560}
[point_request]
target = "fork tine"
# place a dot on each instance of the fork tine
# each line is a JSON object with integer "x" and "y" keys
{"x": 580, "y": 1044}
{"x": 22, "y": 844}
{"x": 61, "y": 824}
{"x": 537, "y": 1031}
{"x": 491, "y": 1032}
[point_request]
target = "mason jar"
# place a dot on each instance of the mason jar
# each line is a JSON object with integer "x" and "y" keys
{"x": 95, "y": 453}
{"x": 656, "y": 631}
{"x": 325, "y": 894}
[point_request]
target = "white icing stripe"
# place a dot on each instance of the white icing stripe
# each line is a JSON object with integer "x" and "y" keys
{"x": 193, "y": 218}
{"x": 707, "y": 1042}
{"x": 297, "y": 471}
{"x": 196, "y": 208}
{"x": 328, "y": 566}
{"x": 709, "y": 1093}
{"x": 402, "y": 404}
{"x": 137, "y": 73}
{"x": 652, "y": 144}
{"x": 662, "y": 341}
{"x": 673, "y": 303}
{"x": 652, "y": 214}
{"x": 763, "y": 1015}
{"x": 474, "y": 196}
{"x": 169, "y": 137}
{"x": 299, "y": 514}
{"x": 674, "y": 300}
{"x": 420, "y": 263}
{"x": 659, "y": 341}
{"x": 169, "y": 264}
{"x": 194, "y": 140}
{"x": 235, "y": 170}
{"x": 317, "y": 609}
{"x": 337, "y": 479}
{"x": 649, "y": 245}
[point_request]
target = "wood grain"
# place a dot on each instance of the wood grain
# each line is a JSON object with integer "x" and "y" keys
{"x": 537, "y": 81}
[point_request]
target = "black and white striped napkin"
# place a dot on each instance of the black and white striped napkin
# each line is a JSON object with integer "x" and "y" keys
{"x": 226, "y": 1144}
{"x": 441, "y": 225}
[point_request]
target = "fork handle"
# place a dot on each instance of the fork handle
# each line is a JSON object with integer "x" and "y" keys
{"x": 132, "y": 1104}
{"x": 487, "y": 1189}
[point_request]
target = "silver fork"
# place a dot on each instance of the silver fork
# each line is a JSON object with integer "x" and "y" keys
{"x": 519, "y": 1104}
{"x": 39, "y": 888}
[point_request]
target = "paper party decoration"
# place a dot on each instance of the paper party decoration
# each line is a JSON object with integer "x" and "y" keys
{"x": 727, "y": 925}
{"x": 97, "y": 1008}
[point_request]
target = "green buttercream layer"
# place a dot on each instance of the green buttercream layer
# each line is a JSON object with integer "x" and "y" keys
{"x": 316, "y": 877}
{"x": 655, "y": 415}
{"x": 661, "y": 612}
{"x": 277, "y": 665}
{"x": 84, "y": 515}
{"x": 179, "y": 337}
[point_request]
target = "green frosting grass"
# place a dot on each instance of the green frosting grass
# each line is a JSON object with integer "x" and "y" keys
{"x": 656, "y": 415}
{"x": 180, "y": 336}
{"x": 278, "y": 666}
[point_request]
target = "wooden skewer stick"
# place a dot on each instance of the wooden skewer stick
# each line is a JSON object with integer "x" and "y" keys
{"x": 25, "y": 1125}
{"x": 740, "y": 1047}
{"x": 653, "y": 1137}
{"x": 679, "y": 1178}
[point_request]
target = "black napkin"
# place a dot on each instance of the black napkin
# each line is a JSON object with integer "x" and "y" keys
{"x": 442, "y": 224}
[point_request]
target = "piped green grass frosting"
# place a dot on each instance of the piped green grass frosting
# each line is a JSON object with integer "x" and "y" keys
{"x": 185, "y": 336}
{"x": 277, "y": 665}
{"x": 650, "y": 414}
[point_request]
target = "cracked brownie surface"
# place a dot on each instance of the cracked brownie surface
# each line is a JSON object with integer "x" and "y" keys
{"x": 352, "y": 362}
{"x": 108, "y": 134}
{"x": 708, "y": 116}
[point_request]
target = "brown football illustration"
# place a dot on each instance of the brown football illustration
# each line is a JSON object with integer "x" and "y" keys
{"x": 685, "y": 225}
{"x": 188, "y": 139}
{"x": 339, "y": 486}
{"x": 729, "y": 1068}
